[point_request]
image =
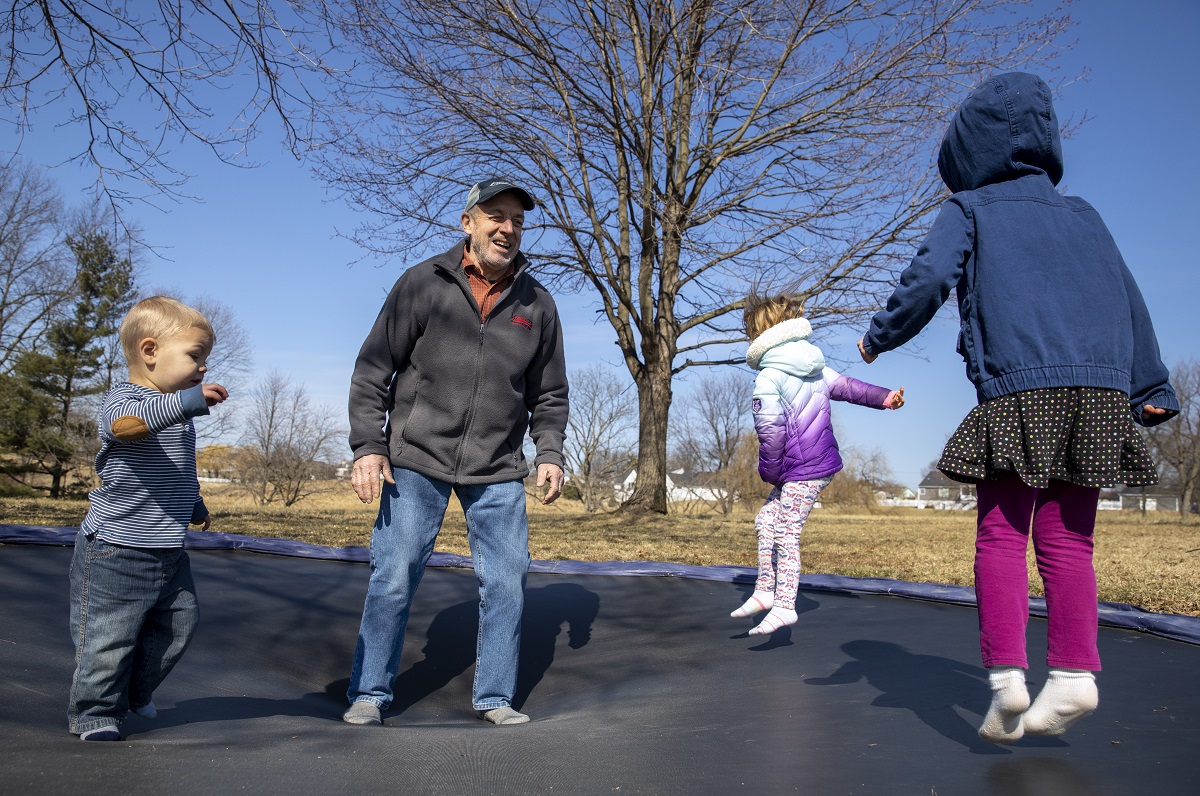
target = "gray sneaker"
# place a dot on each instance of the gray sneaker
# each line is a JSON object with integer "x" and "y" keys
{"x": 503, "y": 715}
{"x": 362, "y": 713}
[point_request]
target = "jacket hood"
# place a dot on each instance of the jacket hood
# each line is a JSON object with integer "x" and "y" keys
{"x": 1005, "y": 129}
{"x": 785, "y": 347}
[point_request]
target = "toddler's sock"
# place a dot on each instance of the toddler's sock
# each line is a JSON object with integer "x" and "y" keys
{"x": 109, "y": 733}
{"x": 759, "y": 601}
{"x": 1067, "y": 696}
{"x": 147, "y": 711}
{"x": 779, "y": 617}
{"x": 1010, "y": 699}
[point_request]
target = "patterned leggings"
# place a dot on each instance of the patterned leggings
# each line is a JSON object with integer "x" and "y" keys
{"x": 778, "y": 525}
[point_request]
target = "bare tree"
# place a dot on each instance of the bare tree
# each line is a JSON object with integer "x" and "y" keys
{"x": 1176, "y": 443}
{"x": 36, "y": 277}
{"x": 717, "y": 422}
{"x": 599, "y": 430}
{"x": 682, "y": 149}
{"x": 99, "y": 65}
{"x": 286, "y": 442}
{"x": 870, "y": 466}
{"x": 864, "y": 473}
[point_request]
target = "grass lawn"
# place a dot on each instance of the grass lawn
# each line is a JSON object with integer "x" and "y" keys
{"x": 1153, "y": 562}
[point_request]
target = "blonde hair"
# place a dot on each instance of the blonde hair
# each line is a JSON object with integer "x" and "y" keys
{"x": 160, "y": 317}
{"x": 763, "y": 312}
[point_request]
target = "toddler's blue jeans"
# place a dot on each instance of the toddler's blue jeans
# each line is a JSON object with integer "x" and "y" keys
{"x": 133, "y": 613}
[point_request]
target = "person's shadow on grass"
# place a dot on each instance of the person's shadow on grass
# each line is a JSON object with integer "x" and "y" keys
{"x": 450, "y": 642}
{"x": 928, "y": 685}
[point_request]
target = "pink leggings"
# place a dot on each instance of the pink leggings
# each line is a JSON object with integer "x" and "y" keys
{"x": 1063, "y": 517}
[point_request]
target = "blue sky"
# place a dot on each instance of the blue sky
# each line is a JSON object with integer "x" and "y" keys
{"x": 264, "y": 241}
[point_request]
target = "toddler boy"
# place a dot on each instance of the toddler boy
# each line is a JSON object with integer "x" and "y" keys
{"x": 133, "y": 602}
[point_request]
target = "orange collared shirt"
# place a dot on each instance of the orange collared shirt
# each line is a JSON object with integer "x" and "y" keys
{"x": 486, "y": 293}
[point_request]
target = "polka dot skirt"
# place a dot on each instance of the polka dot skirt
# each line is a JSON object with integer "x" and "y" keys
{"x": 1084, "y": 435}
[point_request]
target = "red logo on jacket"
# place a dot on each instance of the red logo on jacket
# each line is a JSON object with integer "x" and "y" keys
{"x": 517, "y": 319}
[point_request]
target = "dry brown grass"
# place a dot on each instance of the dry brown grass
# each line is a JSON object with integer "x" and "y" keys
{"x": 1153, "y": 563}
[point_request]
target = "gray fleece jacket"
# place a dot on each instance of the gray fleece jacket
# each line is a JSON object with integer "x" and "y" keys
{"x": 440, "y": 392}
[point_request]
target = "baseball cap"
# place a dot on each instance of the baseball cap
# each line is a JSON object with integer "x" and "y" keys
{"x": 482, "y": 191}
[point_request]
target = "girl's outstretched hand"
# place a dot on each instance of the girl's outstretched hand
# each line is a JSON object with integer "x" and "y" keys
{"x": 1149, "y": 411}
{"x": 894, "y": 400}
{"x": 868, "y": 358}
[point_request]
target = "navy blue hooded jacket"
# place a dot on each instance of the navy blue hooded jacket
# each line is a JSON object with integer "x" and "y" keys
{"x": 1044, "y": 296}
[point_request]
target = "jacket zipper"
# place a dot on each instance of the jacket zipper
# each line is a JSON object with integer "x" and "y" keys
{"x": 462, "y": 446}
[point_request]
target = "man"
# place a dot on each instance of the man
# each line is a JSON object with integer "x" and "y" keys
{"x": 465, "y": 356}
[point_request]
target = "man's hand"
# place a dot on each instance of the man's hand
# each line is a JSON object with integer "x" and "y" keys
{"x": 214, "y": 393}
{"x": 554, "y": 474}
{"x": 369, "y": 474}
{"x": 862, "y": 351}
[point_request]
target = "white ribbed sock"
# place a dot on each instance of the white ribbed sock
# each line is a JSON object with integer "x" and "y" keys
{"x": 759, "y": 601}
{"x": 779, "y": 617}
{"x": 1067, "y": 696}
{"x": 1010, "y": 699}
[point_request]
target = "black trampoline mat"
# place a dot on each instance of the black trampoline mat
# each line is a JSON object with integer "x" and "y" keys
{"x": 634, "y": 685}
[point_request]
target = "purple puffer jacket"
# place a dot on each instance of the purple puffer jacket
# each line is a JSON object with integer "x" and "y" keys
{"x": 791, "y": 404}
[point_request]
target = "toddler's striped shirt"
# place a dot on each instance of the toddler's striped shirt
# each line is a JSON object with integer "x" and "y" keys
{"x": 147, "y": 467}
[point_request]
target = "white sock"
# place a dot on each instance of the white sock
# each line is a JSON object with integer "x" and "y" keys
{"x": 759, "y": 601}
{"x": 1067, "y": 696}
{"x": 147, "y": 711}
{"x": 779, "y": 617}
{"x": 1010, "y": 699}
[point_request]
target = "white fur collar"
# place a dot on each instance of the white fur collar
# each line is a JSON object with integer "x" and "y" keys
{"x": 794, "y": 329}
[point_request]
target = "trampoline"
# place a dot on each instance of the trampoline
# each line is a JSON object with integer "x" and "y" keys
{"x": 634, "y": 685}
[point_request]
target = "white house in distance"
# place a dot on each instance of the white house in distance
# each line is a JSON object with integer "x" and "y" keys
{"x": 681, "y": 486}
{"x": 937, "y": 491}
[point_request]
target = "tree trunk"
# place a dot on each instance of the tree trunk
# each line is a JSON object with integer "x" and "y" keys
{"x": 654, "y": 404}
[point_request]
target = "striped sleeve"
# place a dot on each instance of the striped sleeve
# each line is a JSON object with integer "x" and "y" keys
{"x": 131, "y": 413}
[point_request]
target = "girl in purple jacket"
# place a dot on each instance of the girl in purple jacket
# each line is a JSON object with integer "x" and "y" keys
{"x": 797, "y": 452}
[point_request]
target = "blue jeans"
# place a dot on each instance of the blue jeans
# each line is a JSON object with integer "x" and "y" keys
{"x": 133, "y": 613}
{"x": 410, "y": 515}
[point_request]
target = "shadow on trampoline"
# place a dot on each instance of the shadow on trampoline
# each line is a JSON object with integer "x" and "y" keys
{"x": 936, "y": 689}
{"x": 327, "y": 704}
{"x": 450, "y": 642}
{"x": 634, "y": 684}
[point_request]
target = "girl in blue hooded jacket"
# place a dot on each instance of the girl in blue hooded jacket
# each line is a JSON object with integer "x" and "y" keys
{"x": 798, "y": 454}
{"x": 1059, "y": 345}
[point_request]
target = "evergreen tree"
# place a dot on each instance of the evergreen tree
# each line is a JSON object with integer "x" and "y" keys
{"x": 43, "y": 417}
